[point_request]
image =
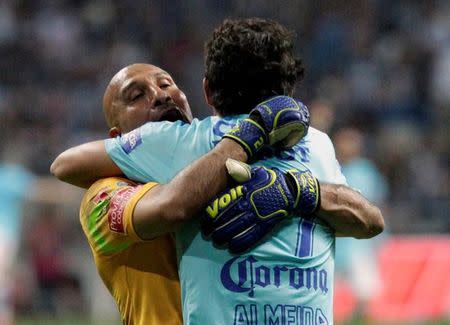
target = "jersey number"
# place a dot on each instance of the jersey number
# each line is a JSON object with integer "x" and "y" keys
{"x": 305, "y": 237}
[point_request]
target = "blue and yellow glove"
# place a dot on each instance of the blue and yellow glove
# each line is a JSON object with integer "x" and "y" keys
{"x": 280, "y": 121}
{"x": 242, "y": 215}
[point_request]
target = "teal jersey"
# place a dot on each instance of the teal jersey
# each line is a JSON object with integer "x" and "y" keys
{"x": 287, "y": 278}
{"x": 16, "y": 183}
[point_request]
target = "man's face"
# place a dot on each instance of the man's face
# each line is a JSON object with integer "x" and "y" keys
{"x": 143, "y": 93}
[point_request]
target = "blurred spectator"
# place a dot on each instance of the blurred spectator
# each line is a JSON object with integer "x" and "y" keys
{"x": 20, "y": 188}
{"x": 16, "y": 181}
{"x": 356, "y": 259}
{"x": 361, "y": 173}
{"x": 46, "y": 249}
{"x": 322, "y": 115}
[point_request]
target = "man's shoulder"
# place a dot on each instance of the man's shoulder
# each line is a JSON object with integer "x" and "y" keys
{"x": 323, "y": 157}
{"x": 179, "y": 124}
{"x": 106, "y": 185}
{"x": 318, "y": 136}
{"x": 170, "y": 131}
{"x": 320, "y": 143}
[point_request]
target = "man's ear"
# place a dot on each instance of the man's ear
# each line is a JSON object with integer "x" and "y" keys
{"x": 114, "y": 132}
{"x": 207, "y": 92}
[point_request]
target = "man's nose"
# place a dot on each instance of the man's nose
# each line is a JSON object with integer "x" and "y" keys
{"x": 161, "y": 97}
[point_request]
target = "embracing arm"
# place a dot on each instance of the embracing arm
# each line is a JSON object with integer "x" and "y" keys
{"x": 162, "y": 208}
{"x": 84, "y": 164}
{"x": 348, "y": 212}
{"x": 165, "y": 206}
{"x": 294, "y": 192}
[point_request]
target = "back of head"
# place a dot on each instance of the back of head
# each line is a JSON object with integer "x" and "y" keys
{"x": 247, "y": 61}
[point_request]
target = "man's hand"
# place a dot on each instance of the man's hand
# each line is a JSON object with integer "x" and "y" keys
{"x": 280, "y": 121}
{"x": 242, "y": 215}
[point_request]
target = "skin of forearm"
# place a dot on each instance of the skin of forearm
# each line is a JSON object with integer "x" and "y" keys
{"x": 195, "y": 185}
{"x": 84, "y": 164}
{"x": 348, "y": 212}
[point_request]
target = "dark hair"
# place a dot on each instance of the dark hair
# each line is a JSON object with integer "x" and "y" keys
{"x": 248, "y": 61}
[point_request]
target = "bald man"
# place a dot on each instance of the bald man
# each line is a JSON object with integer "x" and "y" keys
{"x": 121, "y": 218}
{"x": 127, "y": 224}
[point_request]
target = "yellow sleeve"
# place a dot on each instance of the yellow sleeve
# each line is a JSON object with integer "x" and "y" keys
{"x": 106, "y": 214}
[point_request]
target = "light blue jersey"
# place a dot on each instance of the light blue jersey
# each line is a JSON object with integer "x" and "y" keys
{"x": 16, "y": 182}
{"x": 287, "y": 279}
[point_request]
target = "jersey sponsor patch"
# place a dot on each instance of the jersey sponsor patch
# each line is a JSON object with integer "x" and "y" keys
{"x": 117, "y": 208}
{"x": 131, "y": 140}
{"x": 102, "y": 195}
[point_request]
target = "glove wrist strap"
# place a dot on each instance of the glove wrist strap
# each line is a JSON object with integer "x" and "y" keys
{"x": 249, "y": 134}
{"x": 308, "y": 192}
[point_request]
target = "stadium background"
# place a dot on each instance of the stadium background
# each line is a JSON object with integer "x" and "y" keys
{"x": 377, "y": 74}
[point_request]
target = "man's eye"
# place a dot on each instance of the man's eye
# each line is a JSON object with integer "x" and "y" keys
{"x": 136, "y": 96}
{"x": 164, "y": 85}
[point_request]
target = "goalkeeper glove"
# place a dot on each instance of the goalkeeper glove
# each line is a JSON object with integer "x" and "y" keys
{"x": 280, "y": 121}
{"x": 242, "y": 215}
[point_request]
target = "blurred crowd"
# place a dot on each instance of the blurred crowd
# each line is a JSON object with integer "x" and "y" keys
{"x": 377, "y": 81}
